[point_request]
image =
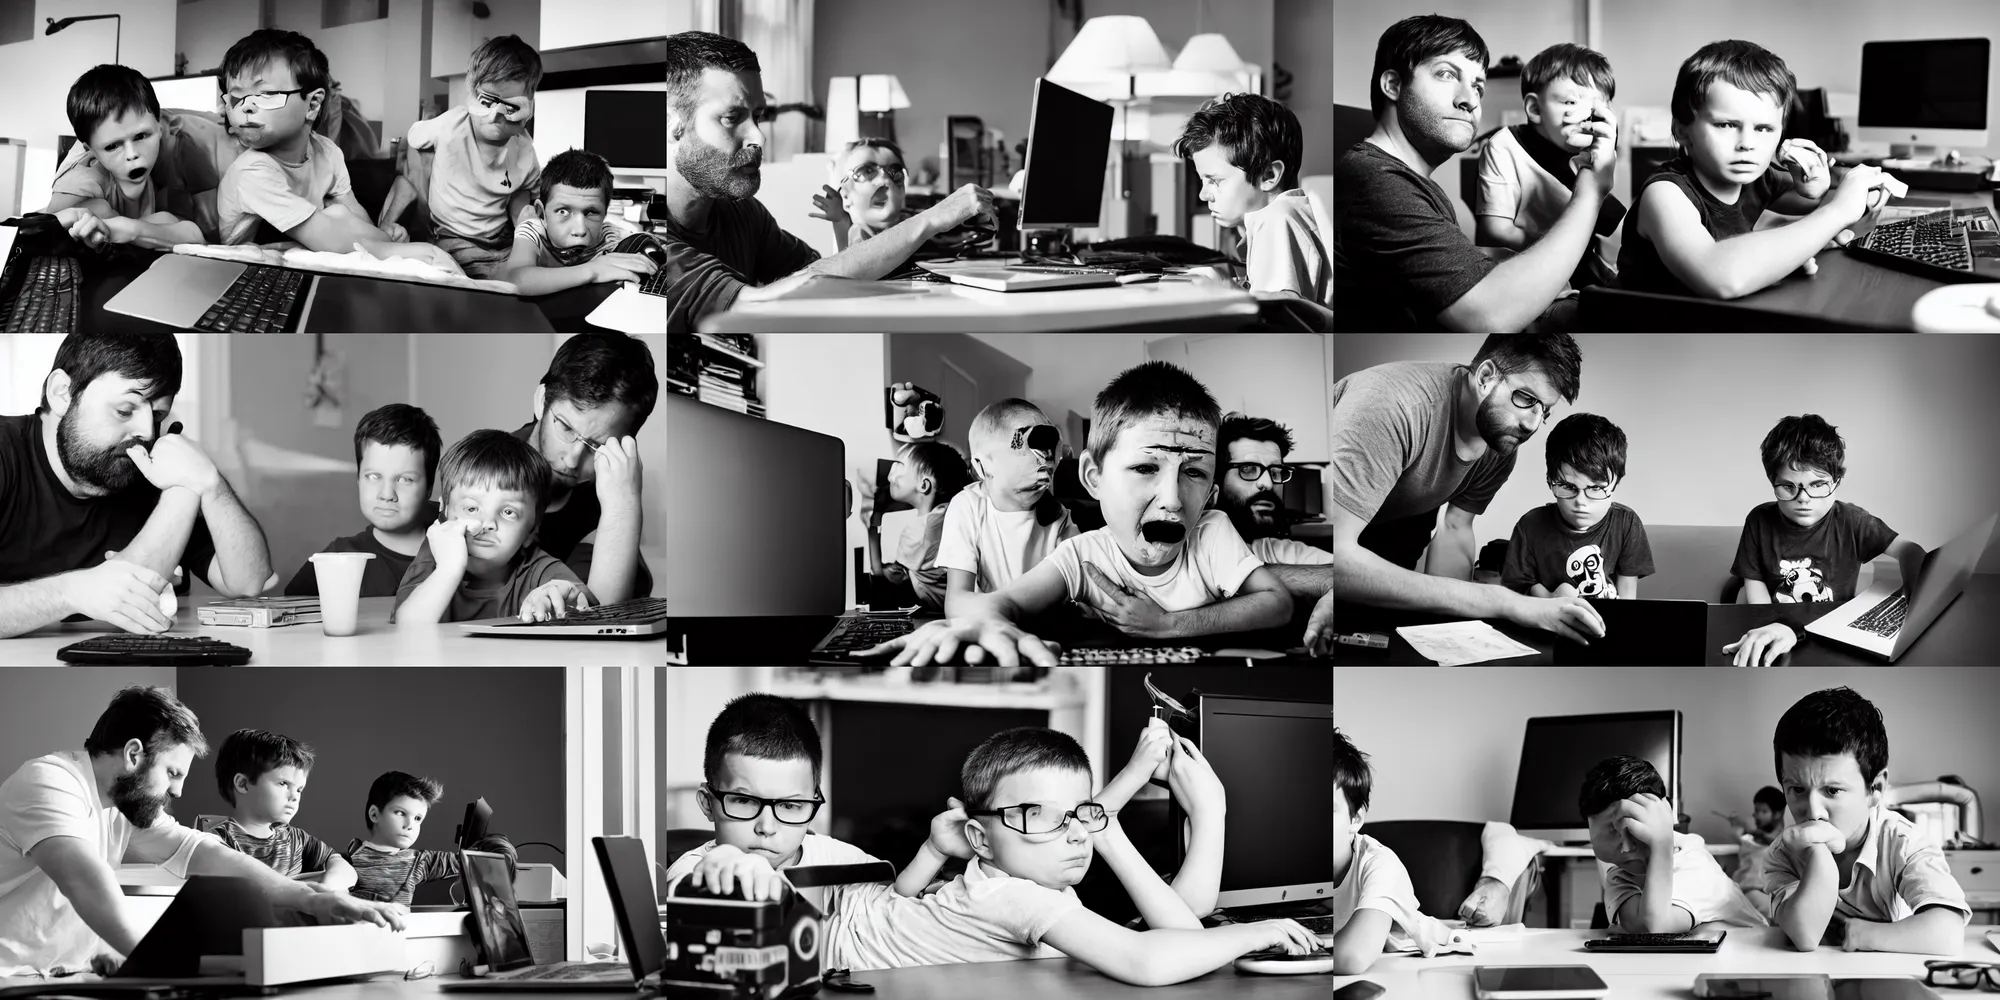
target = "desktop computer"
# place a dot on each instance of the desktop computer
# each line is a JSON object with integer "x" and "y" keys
{"x": 190, "y": 93}
{"x": 1557, "y": 751}
{"x": 627, "y": 127}
{"x": 1924, "y": 96}
{"x": 1069, "y": 143}
{"x": 1276, "y": 758}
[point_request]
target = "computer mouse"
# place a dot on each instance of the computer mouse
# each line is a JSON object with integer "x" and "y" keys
{"x": 646, "y": 246}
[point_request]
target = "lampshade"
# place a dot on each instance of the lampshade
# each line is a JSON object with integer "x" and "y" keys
{"x": 1209, "y": 53}
{"x": 1111, "y": 46}
{"x": 882, "y": 92}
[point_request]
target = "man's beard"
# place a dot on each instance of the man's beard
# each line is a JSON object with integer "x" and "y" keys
{"x": 715, "y": 173}
{"x": 140, "y": 808}
{"x": 1429, "y": 131}
{"x": 1494, "y": 432}
{"x": 1248, "y": 522}
{"x": 108, "y": 469}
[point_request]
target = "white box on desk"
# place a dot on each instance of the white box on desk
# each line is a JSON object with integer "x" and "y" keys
{"x": 274, "y": 956}
{"x": 540, "y": 883}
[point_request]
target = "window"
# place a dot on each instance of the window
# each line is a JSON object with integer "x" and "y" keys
{"x": 613, "y": 738}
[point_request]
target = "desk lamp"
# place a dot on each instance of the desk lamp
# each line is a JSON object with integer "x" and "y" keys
{"x": 879, "y": 96}
{"x": 1113, "y": 47}
{"x": 117, "y": 37}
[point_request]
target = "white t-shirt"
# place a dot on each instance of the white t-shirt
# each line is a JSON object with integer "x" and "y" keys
{"x": 983, "y": 915}
{"x": 1284, "y": 251}
{"x": 814, "y": 850}
{"x": 468, "y": 198}
{"x": 56, "y": 796}
{"x": 1212, "y": 564}
{"x": 259, "y": 186}
{"x": 1700, "y": 887}
{"x": 995, "y": 546}
{"x": 1289, "y": 552}
{"x": 1377, "y": 880}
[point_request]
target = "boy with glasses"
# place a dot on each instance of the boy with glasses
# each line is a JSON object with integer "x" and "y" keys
{"x": 1583, "y": 544}
{"x": 1805, "y": 545}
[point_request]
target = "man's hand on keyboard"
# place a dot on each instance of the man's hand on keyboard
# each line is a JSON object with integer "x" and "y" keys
{"x": 978, "y": 639}
{"x": 553, "y": 599}
{"x": 125, "y": 594}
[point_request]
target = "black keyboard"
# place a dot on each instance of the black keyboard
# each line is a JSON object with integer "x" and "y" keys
{"x": 1886, "y": 618}
{"x": 1130, "y": 654}
{"x": 155, "y": 650}
{"x": 1317, "y": 925}
{"x": 46, "y": 302}
{"x": 1932, "y": 246}
{"x": 858, "y": 632}
{"x": 638, "y": 611}
{"x": 258, "y": 301}
{"x": 655, "y": 283}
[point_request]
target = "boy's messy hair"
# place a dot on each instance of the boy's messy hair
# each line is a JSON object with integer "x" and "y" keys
{"x": 1256, "y": 131}
{"x": 253, "y": 752}
{"x": 1154, "y": 389}
{"x": 690, "y": 54}
{"x": 254, "y": 50}
{"x": 1747, "y": 65}
{"x": 577, "y": 168}
{"x": 1011, "y": 751}
{"x": 1239, "y": 426}
{"x": 104, "y": 92}
{"x": 993, "y": 426}
{"x": 498, "y": 460}
{"x": 1352, "y": 776}
{"x": 1588, "y": 443}
{"x": 1556, "y": 354}
{"x": 1617, "y": 778}
{"x": 505, "y": 59}
{"x": 401, "y": 424}
{"x": 943, "y": 464}
{"x": 1582, "y": 66}
{"x": 152, "y": 359}
{"x": 763, "y": 726}
{"x": 1808, "y": 442}
{"x": 1411, "y": 41}
{"x": 1770, "y": 798}
{"x": 1831, "y": 722}
{"x": 394, "y": 783}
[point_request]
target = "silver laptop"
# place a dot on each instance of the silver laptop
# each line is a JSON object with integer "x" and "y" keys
{"x": 1886, "y": 620}
{"x": 494, "y": 919}
{"x": 177, "y": 289}
{"x": 636, "y": 618}
{"x": 1006, "y": 277}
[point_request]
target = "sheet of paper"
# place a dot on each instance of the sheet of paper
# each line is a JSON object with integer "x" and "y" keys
{"x": 1452, "y": 644}
{"x": 629, "y": 310}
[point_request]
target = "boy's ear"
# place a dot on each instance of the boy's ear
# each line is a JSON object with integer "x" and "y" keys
{"x": 374, "y": 816}
{"x": 1531, "y": 104}
{"x": 241, "y": 782}
{"x": 1087, "y": 471}
{"x": 975, "y": 837}
{"x": 1274, "y": 175}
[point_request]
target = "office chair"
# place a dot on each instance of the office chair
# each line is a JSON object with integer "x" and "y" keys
{"x": 1443, "y": 858}
{"x": 680, "y": 842}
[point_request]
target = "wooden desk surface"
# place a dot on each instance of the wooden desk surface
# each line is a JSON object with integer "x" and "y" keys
{"x": 376, "y": 644}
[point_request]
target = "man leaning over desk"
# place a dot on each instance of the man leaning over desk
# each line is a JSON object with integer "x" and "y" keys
{"x": 723, "y": 244}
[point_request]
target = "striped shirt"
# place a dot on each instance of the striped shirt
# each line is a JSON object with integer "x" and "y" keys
{"x": 535, "y": 231}
{"x": 393, "y": 877}
{"x": 289, "y": 851}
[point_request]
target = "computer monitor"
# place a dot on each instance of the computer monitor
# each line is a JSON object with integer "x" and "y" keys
{"x": 1558, "y": 750}
{"x": 1069, "y": 145}
{"x": 478, "y": 817}
{"x": 628, "y": 878}
{"x": 1928, "y": 94}
{"x": 1304, "y": 494}
{"x": 627, "y": 127}
{"x": 191, "y": 93}
{"x": 1276, "y": 759}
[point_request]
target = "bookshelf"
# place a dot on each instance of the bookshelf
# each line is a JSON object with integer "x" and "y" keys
{"x": 716, "y": 368}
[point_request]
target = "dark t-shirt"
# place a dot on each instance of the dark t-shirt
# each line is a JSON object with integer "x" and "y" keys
{"x": 1820, "y": 563}
{"x": 561, "y": 532}
{"x": 1544, "y": 550}
{"x": 743, "y": 246}
{"x": 379, "y": 577}
{"x": 44, "y": 530}
{"x": 1639, "y": 265}
{"x": 1393, "y": 454}
{"x": 1399, "y": 257}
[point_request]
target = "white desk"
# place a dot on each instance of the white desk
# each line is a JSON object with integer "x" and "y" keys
{"x": 376, "y": 644}
{"x": 928, "y": 307}
{"x": 1645, "y": 976}
{"x": 387, "y": 987}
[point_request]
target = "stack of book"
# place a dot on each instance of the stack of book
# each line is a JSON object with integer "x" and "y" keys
{"x": 720, "y": 369}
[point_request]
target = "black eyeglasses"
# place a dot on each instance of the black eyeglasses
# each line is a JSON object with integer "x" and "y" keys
{"x": 1962, "y": 975}
{"x": 1566, "y": 491}
{"x": 1818, "y": 489}
{"x": 1528, "y": 401}
{"x": 791, "y": 812}
{"x": 266, "y": 100}
{"x": 1031, "y": 819}
{"x": 1251, "y": 471}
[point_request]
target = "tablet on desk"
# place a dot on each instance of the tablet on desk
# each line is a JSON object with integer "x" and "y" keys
{"x": 1537, "y": 982}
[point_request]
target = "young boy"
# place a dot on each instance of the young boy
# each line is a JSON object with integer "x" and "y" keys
{"x": 1767, "y": 814}
{"x": 388, "y": 866}
{"x": 129, "y": 185}
{"x": 482, "y": 171}
{"x": 929, "y": 475}
{"x": 1028, "y": 831}
{"x": 566, "y": 239}
{"x": 291, "y": 183}
{"x": 262, "y": 776}
{"x": 1009, "y": 521}
{"x": 1806, "y": 545}
{"x": 1690, "y": 232}
{"x": 1372, "y": 894}
{"x": 1658, "y": 881}
{"x": 480, "y": 559}
{"x": 868, "y": 196}
{"x": 1852, "y": 873}
{"x": 396, "y": 458}
{"x": 1247, "y": 149}
{"x": 1584, "y": 541}
{"x": 1526, "y": 175}
{"x": 1162, "y": 567}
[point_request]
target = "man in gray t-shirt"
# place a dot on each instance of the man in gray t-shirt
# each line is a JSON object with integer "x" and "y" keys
{"x": 1410, "y": 437}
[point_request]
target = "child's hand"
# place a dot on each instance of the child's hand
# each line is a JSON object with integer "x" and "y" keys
{"x": 1855, "y": 195}
{"x": 1292, "y": 937}
{"x": 447, "y": 540}
{"x": 1761, "y": 646}
{"x": 1155, "y": 750}
{"x": 1647, "y": 820}
{"x": 614, "y": 267}
{"x": 396, "y": 233}
{"x": 724, "y": 867}
{"x": 948, "y": 832}
{"x": 1807, "y": 834}
{"x": 1811, "y": 171}
{"x": 1194, "y": 783}
{"x": 1130, "y": 612}
{"x": 553, "y": 600}
{"x": 827, "y": 205}
{"x": 980, "y": 639}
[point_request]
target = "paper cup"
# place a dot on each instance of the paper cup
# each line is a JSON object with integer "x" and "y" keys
{"x": 339, "y": 575}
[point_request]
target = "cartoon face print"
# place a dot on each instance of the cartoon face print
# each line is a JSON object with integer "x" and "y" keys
{"x": 1800, "y": 582}
{"x": 1586, "y": 573}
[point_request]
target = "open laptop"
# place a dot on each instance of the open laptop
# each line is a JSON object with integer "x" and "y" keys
{"x": 1642, "y": 634}
{"x": 178, "y": 290}
{"x": 502, "y": 937}
{"x": 640, "y": 617}
{"x": 999, "y": 276}
{"x": 1886, "y": 620}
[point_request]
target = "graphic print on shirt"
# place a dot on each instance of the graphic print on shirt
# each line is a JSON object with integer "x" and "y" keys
{"x": 1801, "y": 582}
{"x": 1585, "y": 570}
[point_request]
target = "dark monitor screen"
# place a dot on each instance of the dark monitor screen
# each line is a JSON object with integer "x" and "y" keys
{"x": 1557, "y": 751}
{"x": 495, "y": 916}
{"x": 1304, "y": 493}
{"x": 628, "y": 878}
{"x": 1069, "y": 143}
{"x": 478, "y": 816}
{"x": 1938, "y": 83}
{"x": 626, "y": 127}
{"x": 1276, "y": 759}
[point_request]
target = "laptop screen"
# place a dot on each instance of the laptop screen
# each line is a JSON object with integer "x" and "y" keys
{"x": 496, "y": 919}
{"x": 628, "y": 877}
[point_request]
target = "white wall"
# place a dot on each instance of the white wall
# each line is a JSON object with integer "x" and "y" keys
{"x": 1446, "y": 744}
{"x": 1916, "y": 413}
{"x": 590, "y": 22}
{"x": 455, "y": 32}
{"x": 205, "y": 29}
{"x": 45, "y": 711}
{"x": 831, "y": 383}
{"x": 1302, "y": 43}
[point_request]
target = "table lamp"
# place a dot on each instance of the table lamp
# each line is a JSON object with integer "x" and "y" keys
{"x": 879, "y": 95}
{"x": 1115, "y": 46}
{"x": 1211, "y": 55}
{"x": 117, "y": 37}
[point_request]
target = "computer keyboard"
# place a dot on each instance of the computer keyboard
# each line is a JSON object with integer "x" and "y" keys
{"x": 258, "y": 301}
{"x": 46, "y": 302}
{"x": 638, "y": 611}
{"x": 154, "y": 650}
{"x": 1317, "y": 925}
{"x": 1130, "y": 654}
{"x": 655, "y": 283}
{"x": 1647, "y": 939}
{"x": 857, "y": 632}
{"x": 1886, "y": 618}
{"x": 1932, "y": 246}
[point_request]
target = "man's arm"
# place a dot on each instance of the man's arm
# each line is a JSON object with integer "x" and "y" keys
{"x": 1454, "y": 550}
{"x": 1933, "y": 930}
{"x": 91, "y": 887}
{"x": 614, "y": 567}
{"x": 1366, "y": 578}
{"x": 1307, "y": 581}
{"x": 1157, "y": 902}
{"x": 241, "y": 554}
{"x": 27, "y": 606}
{"x": 1804, "y": 914}
{"x": 1516, "y": 291}
{"x": 160, "y": 544}
{"x": 1262, "y": 602}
